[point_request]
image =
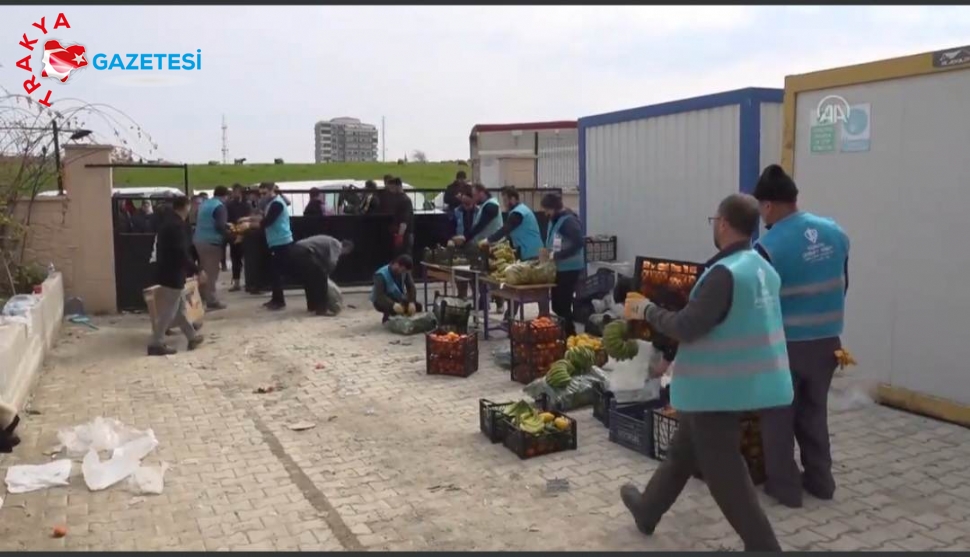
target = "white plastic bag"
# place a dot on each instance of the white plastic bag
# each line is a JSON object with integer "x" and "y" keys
{"x": 630, "y": 379}
{"x": 19, "y": 305}
{"x": 148, "y": 480}
{"x": 335, "y": 298}
{"x": 124, "y": 462}
{"x": 101, "y": 434}
{"x": 30, "y": 477}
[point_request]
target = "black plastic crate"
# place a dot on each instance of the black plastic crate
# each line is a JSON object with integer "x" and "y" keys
{"x": 601, "y": 404}
{"x": 491, "y": 421}
{"x": 458, "y": 358}
{"x": 631, "y": 425}
{"x": 532, "y": 361}
{"x": 526, "y": 445}
{"x": 665, "y": 424}
{"x": 597, "y": 286}
{"x": 453, "y": 316}
{"x": 667, "y": 282}
{"x": 600, "y": 248}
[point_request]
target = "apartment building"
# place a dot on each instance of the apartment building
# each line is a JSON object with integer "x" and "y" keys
{"x": 344, "y": 140}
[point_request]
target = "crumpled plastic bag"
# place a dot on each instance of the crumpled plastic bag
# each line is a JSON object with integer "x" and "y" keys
{"x": 503, "y": 356}
{"x": 629, "y": 380}
{"x": 32, "y": 477}
{"x": 20, "y": 305}
{"x": 335, "y": 298}
{"x": 417, "y": 324}
{"x": 580, "y": 392}
{"x": 100, "y": 434}
{"x": 148, "y": 480}
{"x": 124, "y": 462}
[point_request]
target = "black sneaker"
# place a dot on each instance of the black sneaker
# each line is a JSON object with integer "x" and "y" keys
{"x": 791, "y": 501}
{"x": 215, "y": 306}
{"x": 633, "y": 500}
{"x": 275, "y": 306}
{"x": 161, "y": 351}
{"x": 195, "y": 342}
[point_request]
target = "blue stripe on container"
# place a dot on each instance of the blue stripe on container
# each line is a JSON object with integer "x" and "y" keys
{"x": 749, "y": 99}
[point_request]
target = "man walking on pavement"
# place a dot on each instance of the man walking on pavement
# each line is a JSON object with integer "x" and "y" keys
{"x": 731, "y": 359}
{"x": 279, "y": 238}
{"x": 402, "y": 228}
{"x": 316, "y": 258}
{"x": 173, "y": 264}
{"x": 811, "y": 255}
{"x": 211, "y": 233}
{"x": 565, "y": 244}
{"x": 238, "y": 208}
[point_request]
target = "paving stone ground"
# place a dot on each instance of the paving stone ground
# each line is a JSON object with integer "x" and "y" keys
{"x": 396, "y": 460}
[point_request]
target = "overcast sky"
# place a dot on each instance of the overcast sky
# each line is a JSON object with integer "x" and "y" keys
{"x": 434, "y": 72}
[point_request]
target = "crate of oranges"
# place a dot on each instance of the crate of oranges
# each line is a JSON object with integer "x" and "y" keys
{"x": 536, "y": 344}
{"x": 451, "y": 353}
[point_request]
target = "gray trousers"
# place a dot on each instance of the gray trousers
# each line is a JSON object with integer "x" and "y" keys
{"x": 169, "y": 310}
{"x": 813, "y": 365}
{"x": 710, "y": 442}
{"x": 210, "y": 259}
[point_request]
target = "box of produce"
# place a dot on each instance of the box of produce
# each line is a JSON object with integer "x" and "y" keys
{"x": 665, "y": 281}
{"x": 532, "y": 361}
{"x": 539, "y": 330}
{"x": 631, "y": 425}
{"x": 665, "y": 425}
{"x": 533, "y": 432}
{"x": 493, "y": 418}
{"x": 600, "y": 248}
{"x": 450, "y": 353}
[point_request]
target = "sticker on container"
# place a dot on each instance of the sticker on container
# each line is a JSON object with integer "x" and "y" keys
{"x": 856, "y": 129}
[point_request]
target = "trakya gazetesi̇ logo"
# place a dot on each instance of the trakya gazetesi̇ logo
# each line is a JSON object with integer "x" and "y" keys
{"x": 61, "y": 60}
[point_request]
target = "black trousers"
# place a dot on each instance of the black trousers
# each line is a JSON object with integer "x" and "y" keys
{"x": 236, "y": 255}
{"x": 812, "y": 365}
{"x": 313, "y": 275}
{"x": 562, "y": 297}
{"x": 710, "y": 442}
{"x": 279, "y": 266}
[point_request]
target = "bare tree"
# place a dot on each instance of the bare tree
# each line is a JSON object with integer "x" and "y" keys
{"x": 27, "y": 156}
{"x": 419, "y": 156}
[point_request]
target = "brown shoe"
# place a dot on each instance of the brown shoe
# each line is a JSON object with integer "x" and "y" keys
{"x": 195, "y": 342}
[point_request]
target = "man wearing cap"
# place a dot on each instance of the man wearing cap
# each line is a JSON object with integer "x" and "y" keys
{"x": 811, "y": 255}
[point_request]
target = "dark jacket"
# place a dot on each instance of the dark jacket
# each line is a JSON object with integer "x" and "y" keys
{"x": 173, "y": 263}
{"x": 402, "y": 209}
{"x": 381, "y": 297}
{"x": 571, "y": 232}
{"x": 238, "y": 209}
{"x": 314, "y": 208}
{"x": 452, "y": 201}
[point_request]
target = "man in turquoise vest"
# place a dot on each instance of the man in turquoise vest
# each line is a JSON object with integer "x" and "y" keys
{"x": 565, "y": 244}
{"x": 394, "y": 292}
{"x": 279, "y": 238}
{"x": 488, "y": 215}
{"x": 811, "y": 255}
{"x": 211, "y": 233}
{"x": 731, "y": 359}
{"x": 521, "y": 227}
{"x": 464, "y": 215}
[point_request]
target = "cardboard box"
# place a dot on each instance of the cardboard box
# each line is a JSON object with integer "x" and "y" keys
{"x": 194, "y": 309}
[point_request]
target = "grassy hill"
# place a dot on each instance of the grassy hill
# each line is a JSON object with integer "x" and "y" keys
{"x": 201, "y": 176}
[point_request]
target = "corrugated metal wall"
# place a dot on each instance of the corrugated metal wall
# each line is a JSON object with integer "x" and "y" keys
{"x": 558, "y": 159}
{"x": 905, "y": 205}
{"x": 772, "y": 120}
{"x": 654, "y": 182}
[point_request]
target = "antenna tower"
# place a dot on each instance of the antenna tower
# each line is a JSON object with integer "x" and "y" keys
{"x": 225, "y": 140}
{"x": 383, "y": 141}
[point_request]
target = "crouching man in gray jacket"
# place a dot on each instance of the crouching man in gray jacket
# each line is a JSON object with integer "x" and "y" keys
{"x": 315, "y": 258}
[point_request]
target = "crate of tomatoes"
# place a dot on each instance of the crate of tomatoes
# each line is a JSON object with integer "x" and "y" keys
{"x": 536, "y": 344}
{"x": 665, "y": 422}
{"x": 451, "y": 353}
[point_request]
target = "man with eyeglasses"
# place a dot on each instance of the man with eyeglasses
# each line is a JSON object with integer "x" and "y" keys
{"x": 811, "y": 254}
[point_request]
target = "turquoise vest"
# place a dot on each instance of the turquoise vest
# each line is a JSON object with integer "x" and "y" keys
{"x": 490, "y": 228}
{"x": 576, "y": 262}
{"x": 809, "y": 253}
{"x": 205, "y": 224}
{"x": 526, "y": 236}
{"x": 279, "y": 233}
{"x": 391, "y": 286}
{"x": 742, "y": 364}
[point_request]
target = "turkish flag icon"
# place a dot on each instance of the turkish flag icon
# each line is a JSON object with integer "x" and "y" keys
{"x": 60, "y": 61}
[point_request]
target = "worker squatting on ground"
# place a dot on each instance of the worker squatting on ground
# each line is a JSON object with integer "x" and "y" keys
{"x": 566, "y": 246}
{"x": 279, "y": 237}
{"x": 173, "y": 265}
{"x": 393, "y": 292}
{"x": 811, "y": 255}
{"x": 211, "y": 233}
{"x": 731, "y": 359}
{"x": 315, "y": 259}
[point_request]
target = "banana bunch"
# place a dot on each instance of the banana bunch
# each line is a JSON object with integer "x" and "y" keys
{"x": 617, "y": 342}
{"x": 500, "y": 256}
{"x": 584, "y": 341}
{"x": 560, "y": 374}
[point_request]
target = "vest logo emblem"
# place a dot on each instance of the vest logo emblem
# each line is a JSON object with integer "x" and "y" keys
{"x": 811, "y": 234}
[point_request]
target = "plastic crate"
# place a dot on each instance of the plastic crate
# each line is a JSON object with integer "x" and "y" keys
{"x": 600, "y": 248}
{"x": 453, "y": 316}
{"x": 667, "y": 282}
{"x": 491, "y": 421}
{"x": 631, "y": 425}
{"x": 526, "y": 331}
{"x": 568, "y": 403}
{"x": 601, "y": 404}
{"x": 526, "y": 445}
{"x": 532, "y": 361}
{"x": 597, "y": 286}
{"x": 665, "y": 425}
{"x": 458, "y": 359}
